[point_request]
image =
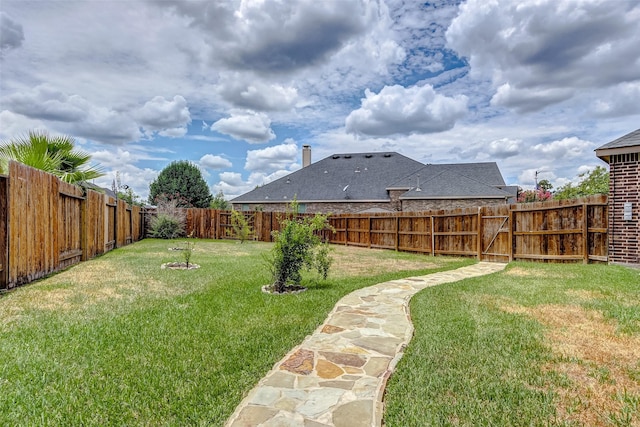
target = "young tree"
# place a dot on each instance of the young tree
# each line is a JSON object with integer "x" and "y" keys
{"x": 181, "y": 181}
{"x": 594, "y": 182}
{"x": 297, "y": 245}
{"x": 55, "y": 155}
{"x": 240, "y": 228}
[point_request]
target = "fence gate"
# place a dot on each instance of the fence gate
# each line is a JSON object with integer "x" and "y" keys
{"x": 495, "y": 234}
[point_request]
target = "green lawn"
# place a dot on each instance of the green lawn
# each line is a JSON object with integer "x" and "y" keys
{"x": 535, "y": 345}
{"x": 118, "y": 341}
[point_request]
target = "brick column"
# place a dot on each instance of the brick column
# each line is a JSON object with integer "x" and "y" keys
{"x": 624, "y": 188}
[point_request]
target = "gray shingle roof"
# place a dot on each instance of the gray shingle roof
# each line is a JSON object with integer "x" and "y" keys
{"x": 449, "y": 183}
{"x": 629, "y": 140}
{"x": 365, "y": 176}
{"x": 487, "y": 173}
{"x": 368, "y": 176}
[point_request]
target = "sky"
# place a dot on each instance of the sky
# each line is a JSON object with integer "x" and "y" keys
{"x": 238, "y": 87}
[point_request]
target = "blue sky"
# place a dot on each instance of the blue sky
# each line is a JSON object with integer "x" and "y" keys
{"x": 237, "y": 87}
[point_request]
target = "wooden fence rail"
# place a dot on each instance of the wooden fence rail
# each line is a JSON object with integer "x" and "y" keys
{"x": 47, "y": 225}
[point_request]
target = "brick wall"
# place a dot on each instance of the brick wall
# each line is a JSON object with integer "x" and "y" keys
{"x": 335, "y": 208}
{"x": 624, "y": 187}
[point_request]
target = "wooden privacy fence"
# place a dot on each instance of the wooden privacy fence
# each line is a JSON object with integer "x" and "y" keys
{"x": 47, "y": 225}
{"x": 558, "y": 231}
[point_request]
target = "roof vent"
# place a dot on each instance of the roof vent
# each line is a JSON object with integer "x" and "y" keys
{"x": 326, "y": 171}
{"x": 387, "y": 154}
{"x": 348, "y": 156}
{"x": 368, "y": 156}
{"x": 335, "y": 157}
{"x": 357, "y": 170}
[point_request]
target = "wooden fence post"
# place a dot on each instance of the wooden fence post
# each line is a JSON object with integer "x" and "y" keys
{"x": 585, "y": 233}
{"x": 84, "y": 224}
{"x": 512, "y": 243}
{"x": 480, "y": 232}
{"x": 433, "y": 237}
{"x": 4, "y": 235}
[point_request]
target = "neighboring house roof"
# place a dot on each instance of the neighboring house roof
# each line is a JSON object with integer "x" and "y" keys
{"x": 629, "y": 143}
{"x": 337, "y": 178}
{"x": 487, "y": 173}
{"x": 448, "y": 183}
{"x": 367, "y": 177}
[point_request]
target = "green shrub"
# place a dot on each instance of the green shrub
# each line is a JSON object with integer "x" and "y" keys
{"x": 169, "y": 222}
{"x": 297, "y": 246}
{"x": 165, "y": 226}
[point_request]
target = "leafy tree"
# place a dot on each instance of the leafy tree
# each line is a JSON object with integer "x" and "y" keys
{"x": 594, "y": 182}
{"x": 56, "y": 155}
{"x": 124, "y": 192}
{"x": 296, "y": 246}
{"x": 545, "y": 185}
{"x": 219, "y": 202}
{"x": 181, "y": 181}
{"x": 130, "y": 197}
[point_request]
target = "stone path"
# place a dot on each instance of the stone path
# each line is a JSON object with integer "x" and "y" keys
{"x": 337, "y": 376}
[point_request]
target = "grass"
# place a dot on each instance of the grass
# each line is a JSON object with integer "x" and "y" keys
{"x": 118, "y": 341}
{"x": 537, "y": 344}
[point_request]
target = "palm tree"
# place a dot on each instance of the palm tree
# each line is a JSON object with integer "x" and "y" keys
{"x": 56, "y": 155}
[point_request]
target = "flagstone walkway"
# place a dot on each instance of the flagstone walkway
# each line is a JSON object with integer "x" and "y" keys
{"x": 337, "y": 376}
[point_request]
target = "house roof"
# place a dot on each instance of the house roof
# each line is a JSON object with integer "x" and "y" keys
{"x": 337, "y": 178}
{"x": 367, "y": 177}
{"x": 448, "y": 183}
{"x": 487, "y": 173}
{"x": 629, "y": 143}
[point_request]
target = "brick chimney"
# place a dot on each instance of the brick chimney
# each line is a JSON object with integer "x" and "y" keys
{"x": 306, "y": 155}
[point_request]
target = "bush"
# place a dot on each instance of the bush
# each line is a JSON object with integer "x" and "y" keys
{"x": 298, "y": 246}
{"x": 168, "y": 222}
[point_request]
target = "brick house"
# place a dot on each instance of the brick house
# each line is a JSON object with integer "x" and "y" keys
{"x": 623, "y": 155}
{"x": 379, "y": 182}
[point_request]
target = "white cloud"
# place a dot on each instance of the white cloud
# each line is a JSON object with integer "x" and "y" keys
{"x": 209, "y": 161}
{"x": 245, "y": 91}
{"x": 544, "y": 52}
{"x": 621, "y": 100}
{"x": 401, "y": 111}
{"x": 15, "y": 125}
{"x": 232, "y": 184}
{"x": 527, "y": 100}
{"x": 571, "y": 147}
{"x": 168, "y": 117}
{"x": 281, "y": 156}
{"x": 493, "y": 150}
{"x": 74, "y": 115}
{"x": 252, "y": 127}
{"x": 46, "y": 103}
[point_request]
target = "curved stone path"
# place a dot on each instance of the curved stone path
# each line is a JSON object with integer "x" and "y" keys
{"x": 337, "y": 376}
